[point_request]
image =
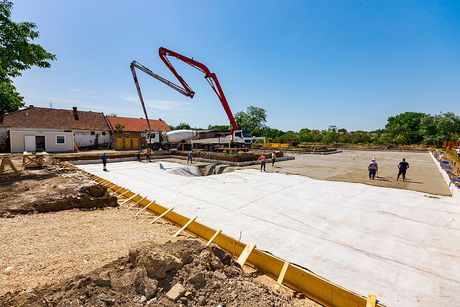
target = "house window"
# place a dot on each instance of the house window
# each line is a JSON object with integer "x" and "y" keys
{"x": 60, "y": 139}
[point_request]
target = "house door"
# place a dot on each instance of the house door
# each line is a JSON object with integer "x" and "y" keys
{"x": 127, "y": 142}
{"x": 119, "y": 144}
{"x": 40, "y": 143}
{"x": 29, "y": 143}
{"x": 135, "y": 142}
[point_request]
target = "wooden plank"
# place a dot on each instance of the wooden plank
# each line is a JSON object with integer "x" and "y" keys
{"x": 279, "y": 282}
{"x": 143, "y": 209}
{"x": 245, "y": 253}
{"x": 120, "y": 195}
{"x": 371, "y": 300}
{"x": 117, "y": 190}
{"x": 161, "y": 215}
{"x": 185, "y": 226}
{"x": 128, "y": 199}
{"x": 133, "y": 205}
{"x": 214, "y": 236}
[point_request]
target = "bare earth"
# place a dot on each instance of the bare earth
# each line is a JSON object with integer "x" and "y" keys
{"x": 351, "y": 166}
{"x": 43, "y": 249}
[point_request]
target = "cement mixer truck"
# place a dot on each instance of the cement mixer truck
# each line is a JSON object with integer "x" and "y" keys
{"x": 199, "y": 139}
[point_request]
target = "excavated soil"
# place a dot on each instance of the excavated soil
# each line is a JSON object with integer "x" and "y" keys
{"x": 52, "y": 188}
{"x": 180, "y": 273}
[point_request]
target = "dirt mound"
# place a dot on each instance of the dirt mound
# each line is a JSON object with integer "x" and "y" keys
{"x": 53, "y": 188}
{"x": 232, "y": 157}
{"x": 182, "y": 272}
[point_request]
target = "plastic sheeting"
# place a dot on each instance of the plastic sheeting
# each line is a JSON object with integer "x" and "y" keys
{"x": 402, "y": 245}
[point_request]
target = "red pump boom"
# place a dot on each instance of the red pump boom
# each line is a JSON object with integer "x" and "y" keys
{"x": 209, "y": 76}
{"x": 185, "y": 88}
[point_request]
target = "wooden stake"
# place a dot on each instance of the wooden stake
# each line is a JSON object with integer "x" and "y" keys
{"x": 161, "y": 215}
{"x": 118, "y": 190}
{"x": 143, "y": 209}
{"x": 279, "y": 282}
{"x": 7, "y": 161}
{"x": 214, "y": 236}
{"x": 245, "y": 253}
{"x": 371, "y": 300}
{"x": 184, "y": 227}
{"x": 132, "y": 206}
{"x": 120, "y": 195}
{"x": 126, "y": 200}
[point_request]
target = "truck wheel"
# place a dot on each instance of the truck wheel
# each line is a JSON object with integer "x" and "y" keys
{"x": 155, "y": 146}
{"x": 206, "y": 147}
{"x": 166, "y": 147}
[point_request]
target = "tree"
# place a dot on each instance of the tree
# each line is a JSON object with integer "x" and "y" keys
{"x": 182, "y": 126}
{"x": 405, "y": 127}
{"x": 17, "y": 54}
{"x": 253, "y": 120}
{"x": 10, "y": 100}
{"x": 272, "y": 134}
{"x": 219, "y": 127}
{"x": 119, "y": 128}
{"x": 448, "y": 126}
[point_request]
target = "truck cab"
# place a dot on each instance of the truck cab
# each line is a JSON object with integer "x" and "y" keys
{"x": 241, "y": 137}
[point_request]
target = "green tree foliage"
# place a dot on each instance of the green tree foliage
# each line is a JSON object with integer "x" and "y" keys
{"x": 448, "y": 126}
{"x": 182, "y": 126}
{"x": 119, "y": 128}
{"x": 17, "y": 54}
{"x": 219, "y": 127}
{"x": 10, "y": 100}
{"x": 253, "y": 120}
{"x": 405, "y": 127}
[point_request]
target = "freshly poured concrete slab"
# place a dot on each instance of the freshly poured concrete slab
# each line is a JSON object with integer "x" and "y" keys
{"x": 402, "y": 245}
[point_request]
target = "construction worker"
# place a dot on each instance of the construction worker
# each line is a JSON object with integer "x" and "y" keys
{"x": 263, "y": 161}
{"x": 372, "y": 168}
{"x": 104, "y": 161}
{"x": 403, "y": 166}
{"x": 273, "y": 159}
{"x": 190, "y": 157}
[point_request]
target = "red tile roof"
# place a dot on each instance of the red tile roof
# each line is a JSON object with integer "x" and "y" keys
{"x": 47, "y": 118}
{"x": 137, "y": 124}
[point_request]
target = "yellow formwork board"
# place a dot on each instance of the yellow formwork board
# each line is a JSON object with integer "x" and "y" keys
{"x": 313, "y": 286}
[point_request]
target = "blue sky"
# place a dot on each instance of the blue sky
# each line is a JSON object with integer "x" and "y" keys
{"x": 308, "y": 63}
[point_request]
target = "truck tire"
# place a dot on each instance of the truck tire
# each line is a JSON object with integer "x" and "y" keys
{"x": 166, "y": 146}
{"x": 155, "y": 146}
{"x": 206, "y": 147}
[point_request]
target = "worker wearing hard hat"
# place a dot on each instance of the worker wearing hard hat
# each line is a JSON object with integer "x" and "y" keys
{"x": 372, "y": 168}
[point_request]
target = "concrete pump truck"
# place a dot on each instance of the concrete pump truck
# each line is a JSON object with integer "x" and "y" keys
{"x": 187, "y": 139}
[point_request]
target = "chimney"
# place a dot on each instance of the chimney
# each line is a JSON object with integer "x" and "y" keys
{"x": 75, "y": 113}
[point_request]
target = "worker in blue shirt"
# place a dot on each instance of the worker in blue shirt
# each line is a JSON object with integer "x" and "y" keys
{"x": 104, "y": 161}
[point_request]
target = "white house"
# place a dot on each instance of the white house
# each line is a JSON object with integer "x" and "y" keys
{"x": 53, "y": 130}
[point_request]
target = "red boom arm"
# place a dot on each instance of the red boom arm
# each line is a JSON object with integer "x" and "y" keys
{"x": 210, "y": 77}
